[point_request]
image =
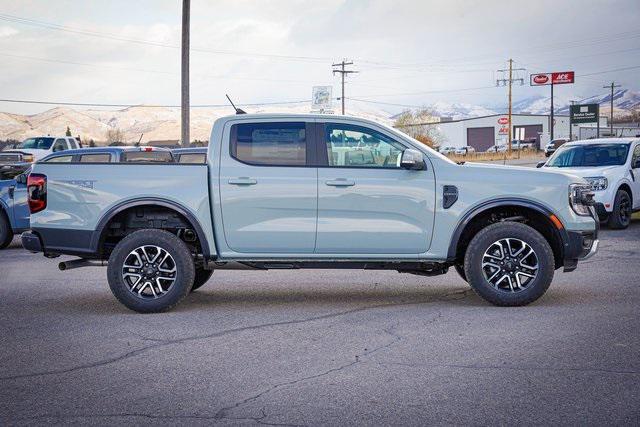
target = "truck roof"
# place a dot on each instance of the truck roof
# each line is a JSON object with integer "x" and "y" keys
{"x": 601, "y": 141}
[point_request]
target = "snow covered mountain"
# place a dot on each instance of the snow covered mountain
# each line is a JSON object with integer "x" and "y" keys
{"x": 152, "y": 123}
{"x": 623, "y": 100}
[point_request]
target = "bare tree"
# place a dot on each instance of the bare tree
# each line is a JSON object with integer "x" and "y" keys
{"x": 115, "y": 135}
{"x": 420, "y": 125}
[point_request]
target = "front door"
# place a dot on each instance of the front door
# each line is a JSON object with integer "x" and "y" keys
{"x": 367, "y": 204}
{"x": 267, "y": 191}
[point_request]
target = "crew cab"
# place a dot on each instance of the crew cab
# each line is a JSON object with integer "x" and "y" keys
{"x": 36, "y": 148}
{"x": 612, "y": 168}
{"x": 284, "y": 191}
{"x": 14, "y": 211}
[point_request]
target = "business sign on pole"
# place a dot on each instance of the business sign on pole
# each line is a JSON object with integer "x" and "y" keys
{"x": 503, "y": 120}
{"x": 321, "y": 98}
{"x": 542, "y": 79}
{"x": 585, "y": 113}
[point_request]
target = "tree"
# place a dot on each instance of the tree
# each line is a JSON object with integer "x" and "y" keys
{"x": 420, "y": 125}
{"x": 115, "y": 135}
{"x": 92, "y": 143}
{"x": 68, "y": 133}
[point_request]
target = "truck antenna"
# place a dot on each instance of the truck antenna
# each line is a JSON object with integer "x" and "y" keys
{"x": 238, "y": 110}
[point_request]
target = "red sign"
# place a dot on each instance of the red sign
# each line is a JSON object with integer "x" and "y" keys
{"x": 503, "y": 120}
{"x": 563, "y": 77}
{"x": 503, "y": 130}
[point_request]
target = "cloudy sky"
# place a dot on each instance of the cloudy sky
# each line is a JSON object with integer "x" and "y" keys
{"x": 407, "y": 52}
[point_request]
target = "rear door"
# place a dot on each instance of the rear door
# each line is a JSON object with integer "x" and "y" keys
{"x": 268, "y": 187}
{"x": 635, "y": 159}
{"x": 367, "y": 204}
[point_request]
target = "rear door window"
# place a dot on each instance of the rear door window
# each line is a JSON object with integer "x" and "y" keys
{"x": 95, "y": 158}
{"x": 147, "y": 156}
{"x": 270, "y": 144}
{"x": 193, "y": 158}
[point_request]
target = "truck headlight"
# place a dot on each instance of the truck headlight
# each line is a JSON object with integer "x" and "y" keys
{"x": 580, "y": 198}
{"x": 27, "y": 158}
{"x": 598, "y": 183}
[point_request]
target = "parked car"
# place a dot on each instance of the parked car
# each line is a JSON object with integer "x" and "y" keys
{"x": 34, "y": 149}
{"x": 552, "y": 146}
{"x": 190, "y": 155}
{"x": 447, "y": 150}
{"x": 272, "y": 195}
{"x": 612, "y": 167}
{"x": 119, "y": 154}
{"x": 517, "y": 144}
{"x": 463, "y": 151}
{"x": 14, "y": 210}
{"x": 498, "y": 148}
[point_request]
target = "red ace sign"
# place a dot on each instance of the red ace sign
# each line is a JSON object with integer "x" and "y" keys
{"x": 560, "y": 78}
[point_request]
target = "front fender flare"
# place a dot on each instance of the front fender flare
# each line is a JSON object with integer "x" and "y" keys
{"x": 483, "y": 207}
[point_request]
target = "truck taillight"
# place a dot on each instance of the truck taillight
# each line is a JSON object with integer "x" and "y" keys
{"x": 37, "y": 190}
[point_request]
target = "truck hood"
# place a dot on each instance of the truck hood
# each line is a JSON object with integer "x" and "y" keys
{"x": 37, "y": 154}
{"x": 522, "y": 173}
{"x": 584, "y": 172}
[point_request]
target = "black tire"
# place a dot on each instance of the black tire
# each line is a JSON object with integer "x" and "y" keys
{"x": 182, "y": 261}
{"x": 202, "y": 276}
{"x": 620, "y": 218}
{"x": 6, "y": 233}
{"x": 460, "y": 269}
{"x": 534, "y": 287}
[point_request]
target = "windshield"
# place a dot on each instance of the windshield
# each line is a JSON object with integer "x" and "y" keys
{"x": 589, "y": 155}
{"x": 36, "y": 143}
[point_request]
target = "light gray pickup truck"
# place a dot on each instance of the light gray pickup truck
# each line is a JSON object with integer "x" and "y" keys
{"x": 311, "y": 191}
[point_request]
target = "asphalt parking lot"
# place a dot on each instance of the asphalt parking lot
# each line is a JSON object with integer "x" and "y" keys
{"x": 322, "y": 347}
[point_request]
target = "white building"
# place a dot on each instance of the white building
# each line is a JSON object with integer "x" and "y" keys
{"x": 483, "y": 132}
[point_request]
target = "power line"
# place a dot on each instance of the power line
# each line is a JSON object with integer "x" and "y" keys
{"x": 56, "y": 27}
{"x": 96, "y": 104}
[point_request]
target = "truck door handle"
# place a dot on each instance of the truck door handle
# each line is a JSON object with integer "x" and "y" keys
{"x": 341, "y": 182}
{"x": 243, "y": 180}
{"x": 12, "y": 191}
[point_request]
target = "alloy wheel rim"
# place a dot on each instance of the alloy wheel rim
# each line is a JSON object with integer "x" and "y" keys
{"x": 149, "y": 272}
{"x": 510, "y": 265}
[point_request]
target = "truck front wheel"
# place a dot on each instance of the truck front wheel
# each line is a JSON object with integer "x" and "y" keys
{"x": 509, "y": 264}
{"x": 150, "y": 271}
{"x": 621, "y": 216}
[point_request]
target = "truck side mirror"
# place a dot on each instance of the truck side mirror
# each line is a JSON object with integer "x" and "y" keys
{"x": 540, "y": 164}
{"x": 21, "y": 179}
{"x": 412, "y": 160}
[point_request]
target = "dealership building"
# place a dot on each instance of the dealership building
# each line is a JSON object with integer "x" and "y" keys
{"x": 485, "y": 131}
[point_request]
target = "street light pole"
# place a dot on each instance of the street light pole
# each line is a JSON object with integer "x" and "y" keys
{"x": 184, "y": 114}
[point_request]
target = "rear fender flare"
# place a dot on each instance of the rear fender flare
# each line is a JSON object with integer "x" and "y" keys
{"x": 113, "y": 211}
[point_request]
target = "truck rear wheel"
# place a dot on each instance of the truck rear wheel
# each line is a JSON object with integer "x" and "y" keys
{"x": 201, "y": 278}
{"x": 509, "y": 264}
{"x": 150, "y": 271}
{"x": 6, "y": 233}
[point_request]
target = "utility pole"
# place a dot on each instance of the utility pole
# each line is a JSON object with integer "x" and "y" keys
{"x": 570, "y": 122}
{"x": 613, "y": 85}
{"x": 509, "y": 82}
{"x": 342, "y": 71}
{"x": 184, "y": 124}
